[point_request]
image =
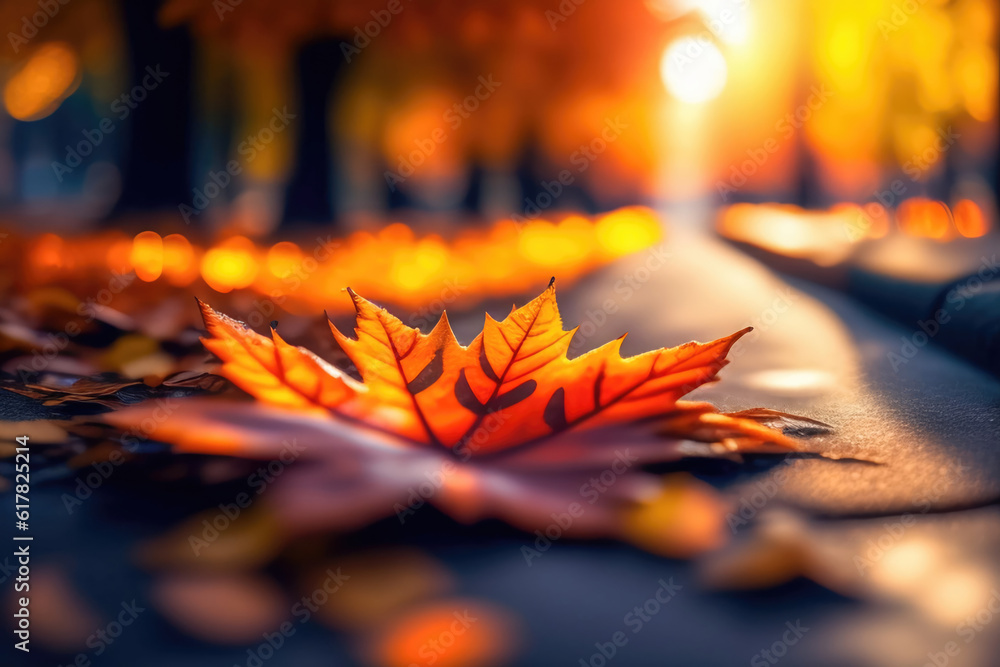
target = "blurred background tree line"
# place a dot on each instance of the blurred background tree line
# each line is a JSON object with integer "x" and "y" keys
{"x": 266, "y": 113}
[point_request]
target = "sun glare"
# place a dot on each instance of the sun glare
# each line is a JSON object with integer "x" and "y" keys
{"x": 693, "y": 70}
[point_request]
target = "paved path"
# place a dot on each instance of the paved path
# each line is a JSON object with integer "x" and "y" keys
{"x": 932, "y": 425}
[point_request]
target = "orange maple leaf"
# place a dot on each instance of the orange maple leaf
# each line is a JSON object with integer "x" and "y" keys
{"x": 512, "y": 387}
{"x": 506, "y": 427}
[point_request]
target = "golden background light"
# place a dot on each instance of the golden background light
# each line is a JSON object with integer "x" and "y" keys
{"x": 147, "y": 256}
{"x": 48, "y": 77}
{"x": 693, "y": 70}
{"x": 179, "y": 266}
{"x": 395, "y": 264}
{"x": 230, "y": 265}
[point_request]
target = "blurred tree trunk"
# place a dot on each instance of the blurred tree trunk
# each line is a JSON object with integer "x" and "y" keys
{"x": 156, "y": 164}
{"x": 309, "y": 197}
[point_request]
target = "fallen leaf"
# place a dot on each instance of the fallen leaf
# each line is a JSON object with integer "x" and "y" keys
{"x": 777, "y": 552}
{"x": 243, "y": 545}
{"x": 57, "y": 388}
{"x": 383, "y": 583}
{"x": 685, "y": 518}
{"x": 903, "y": 559}
{"x": 222, "y": 608}
{"x": 431, "y": 391}
{"x": 505, "y": 427}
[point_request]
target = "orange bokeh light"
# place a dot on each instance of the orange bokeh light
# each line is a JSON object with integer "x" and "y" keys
{"x": 969, "y": 219}
{"x": 119, "y": 255}
{"x": 48, "y": 252}
{"x": 230, "y": 265}
{"x": 829, "y": 236}
{"x": 924, "y": 218}
{"x": 627, "y": 230}
{"x": 147, "y": 256}
{"x": 49, "y": 76}
{"x": 393, "y": 264}
{"x": 179, "y": 266}
{"x": 283, "y": 259}
{"x": 443, "y": 629}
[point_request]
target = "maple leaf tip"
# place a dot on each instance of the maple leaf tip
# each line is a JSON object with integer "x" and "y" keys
{"x": 356, "y": 299}
{"x": 732, "y": 338}
{"x": 208, "y": 314}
